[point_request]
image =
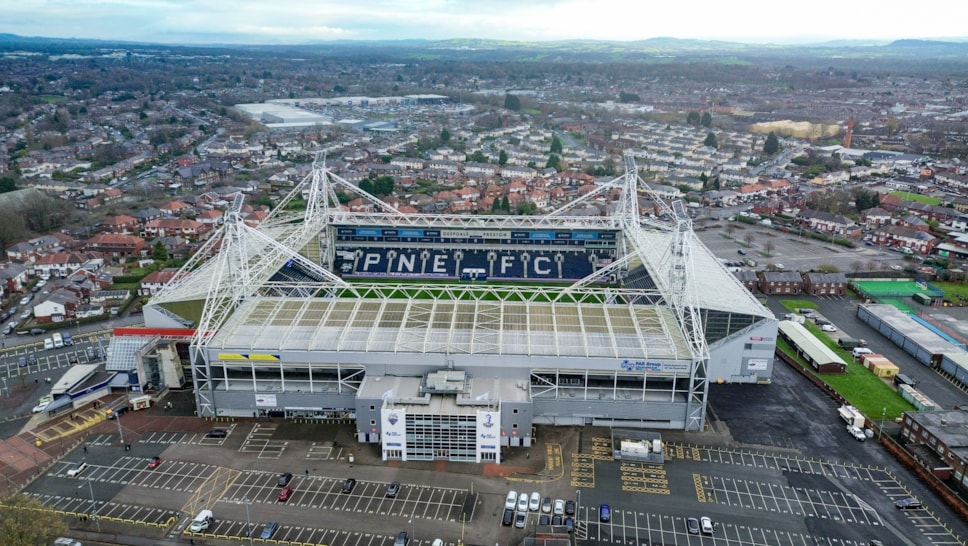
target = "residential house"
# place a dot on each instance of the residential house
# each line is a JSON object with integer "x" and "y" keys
{"x": 175, "y": 208}
{"x": 58, "y": 307}
{"x": 780, "y": 282}
{"x": 117, "y": 246}
{"x": 166, "y": 227}
{"x": 825, "y": 284}
{"x": 155, "y": 281}
{"x": 14, "y": 277}
{"x": 211, "y": 218}
{"x": 900, "y": 237}
{"x": 120, "y": 223}
{"x": 875, "y": 217}
{"x": 825, "y": 222}
{"x": 59, "y": 264}
{"x": 748, "y": 278}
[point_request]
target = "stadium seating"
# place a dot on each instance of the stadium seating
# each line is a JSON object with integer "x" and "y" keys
{"x": 498, "y": 263}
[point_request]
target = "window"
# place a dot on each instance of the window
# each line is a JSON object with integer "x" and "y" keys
{"x": 372, "y": 422}
{"x": 372, "y": 408}
{"x": 514, "y": 425}
{"x": 747, "y": 346}
{"x": 515, "y": 410}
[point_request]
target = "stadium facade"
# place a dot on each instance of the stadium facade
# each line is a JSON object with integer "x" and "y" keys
{"x": 450, "y": 337}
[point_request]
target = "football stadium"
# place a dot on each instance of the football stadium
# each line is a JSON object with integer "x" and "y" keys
{"x": 450, "y": 336}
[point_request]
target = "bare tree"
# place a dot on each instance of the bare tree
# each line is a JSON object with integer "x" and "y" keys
{"x": 749, "y": 238}
{"x": 768, "y": 246}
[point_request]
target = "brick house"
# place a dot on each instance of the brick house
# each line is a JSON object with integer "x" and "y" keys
{"x": 825, "y": 284}
{"x": 155, "y": 281}
{"x": 780, "y": 282}
{"x": 117, "y": 246}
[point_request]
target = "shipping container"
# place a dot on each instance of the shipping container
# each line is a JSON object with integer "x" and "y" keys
{"x": 916, "y": 398}
{"x": 901, "y": 379}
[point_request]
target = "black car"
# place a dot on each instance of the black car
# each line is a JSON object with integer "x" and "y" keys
{"x": 284, "y": 479}
{"x": 118, "y": 411}
{"x": 570, "y": 508}
{"x": 692, "y": 526}
{"x": 393, "y": 489}
{"x": 909, "y": 503}
{"x": 556, "y": 520}
{"x": 31, "y": 359}
{"x": 508, "y": 518}
{"x": 72, "y": 359}
{"x": 544, "y": 519}
{"x": 348, "y": 485}
{"x": 37, "y": 331}
{"x": 217, "y": 433}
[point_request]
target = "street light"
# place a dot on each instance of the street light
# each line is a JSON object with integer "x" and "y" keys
{"x": 117, "y": 417}
{"x": 880, "y": 429}
{"x": 577, "y": 507}
{"x": 93, "y": 506}
{"x": 248, "y": 522}
{"x": 412, "y": 532}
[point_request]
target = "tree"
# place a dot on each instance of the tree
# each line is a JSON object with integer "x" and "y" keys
{"x": 366, "y": 185}
{"x": 693, "y": 118}
{"x": 477, "y": 157}
{"x": 159, "y": 252}
{"x": 555, "y": 145}
{"x": 768, "y": 247}
{"x": 749, "y": 239}
{"x": 502, "y": 158}
{"x": 505, "y": 205}
{"x": 383, "y": 185}
{"x": 512, "y": 102}
{"x": 772, "y": 144}
{"x": 553, "y": 162}
{"x": 711, "y": 140}
{"x": 707, "y": 120}
{"x": 25, "y": 522}
{"x": 444, "y": 135}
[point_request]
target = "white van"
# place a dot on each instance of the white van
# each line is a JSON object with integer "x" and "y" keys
{"x": 58, "y": 340}
{"x": 201, "y": 521}
{"x": 861, "y": 351}
{"x": 48, "y": 344}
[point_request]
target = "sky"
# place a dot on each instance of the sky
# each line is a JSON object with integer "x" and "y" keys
{"x": 304, "y": 21}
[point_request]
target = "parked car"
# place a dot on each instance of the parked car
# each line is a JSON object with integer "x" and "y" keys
{"x": 692, "y": 526}
{"x": 523, "y": 502}
{"x": 556, "y": 520}
{"x": 72, "y": 359}
{"x": 155, "y": 462}
{"x": 511, "y": 500}
{"x": 559, "y": 509}
{"x": 546, "y": 505}
{"x": 520, "y": 520}
{"x": 508, "y": 518}
{"x": 402, "y": 539}
{"x": 284, "y": 479}
{"x": 570, "y": 524}
{"x": 706, "y": 524}
{"x": 856, "y": 432}
{"x": 604, "y": 513}
{"x": 65, "y": 541}
{"x": 217, "y": 433}
{"x": 534, "y": 504}
{"x": 201, "y": 521}
{"x": 828, "y": 328}
{"x": 348, "y": 485}
{"x": 37, "y": 331}
{"x": 741, "y": 251}
{"x": 544, "y": 519}
{"x": 22, "y": 361}
{"x": 570, "y": 508}
{"x": 285, "y": 493}
{"x": 76, "y": 469}
{"x": 909, "y": 503}
{"x": 393, "y": 489}
{"x": 268, "y": 530}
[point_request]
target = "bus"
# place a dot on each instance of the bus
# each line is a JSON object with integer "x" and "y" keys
{"x": 58, "y": 340}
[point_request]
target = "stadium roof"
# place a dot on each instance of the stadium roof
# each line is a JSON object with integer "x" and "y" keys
{"x": 464, "y": 326}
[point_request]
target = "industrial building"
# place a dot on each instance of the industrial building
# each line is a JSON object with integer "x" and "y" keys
{"x": 450, "y": 337}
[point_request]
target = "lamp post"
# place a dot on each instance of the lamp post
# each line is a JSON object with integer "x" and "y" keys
{"x": 117, "y": 417}
{"x": 248, "y": 522}
{"x": 412, "y": 532}
{"x": 880, "y": 429}
{"x": 93, "y": 506}
{"x": 577, "y": 507}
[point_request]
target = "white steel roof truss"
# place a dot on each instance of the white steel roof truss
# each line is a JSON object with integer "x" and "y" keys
{"x": 486, "y": 327}
{"x": 376, "y": 329}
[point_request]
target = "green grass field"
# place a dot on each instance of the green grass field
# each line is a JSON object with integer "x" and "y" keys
{"x": 864, "y": 390}
{"x": 916, "y": 197}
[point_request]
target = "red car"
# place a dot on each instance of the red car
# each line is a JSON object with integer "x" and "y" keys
{"x": 154, "y": 462}
{"x": 285, "y": 493}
